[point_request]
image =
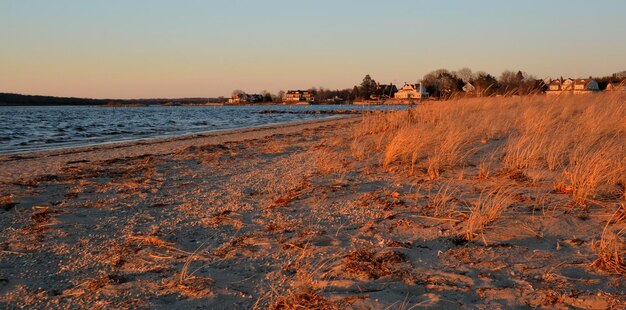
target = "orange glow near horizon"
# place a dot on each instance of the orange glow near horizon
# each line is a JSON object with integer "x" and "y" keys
{"x": 147, "y": 49}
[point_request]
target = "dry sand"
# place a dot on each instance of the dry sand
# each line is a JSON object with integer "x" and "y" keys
{"x": 276, "y": 217}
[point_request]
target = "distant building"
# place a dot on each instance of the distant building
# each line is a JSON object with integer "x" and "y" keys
{"x": 238, "y": 98}
{"x": 244, "y": 98}
{"x": 572, "y": 87}
{"x": 411, "y": 91}
{"x": 616, "y": 86}
{"x": 298, "y": 96}
{"x": 255, "y": 98}
{"x": 468, "y": 88}
{"x": 585, "y": 86}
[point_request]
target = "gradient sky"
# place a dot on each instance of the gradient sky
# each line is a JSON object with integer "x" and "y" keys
{"x": 154, "y": 48}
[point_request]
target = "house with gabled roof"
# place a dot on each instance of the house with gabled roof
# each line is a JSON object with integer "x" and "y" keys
{"x": 468, "y": 88}
{"x": 585, "y": 86}
{"x": 298, "y": 96}
{"x": 243, "y": 98}
{"x": 410, "y": 91}
{"x": 572, "y": 86}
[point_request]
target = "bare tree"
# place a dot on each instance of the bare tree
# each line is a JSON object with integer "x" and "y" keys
{"x": 237, "y": 92}
{"x": 486, "y": 85}
{"x": 509, "y": 81}
{"x": 279, "y": 96}
{"x": 519, "y": 83}
{"x": 442, "y": 83}
{"x": 465, "y": 74}
{"x": 267, "y": 97}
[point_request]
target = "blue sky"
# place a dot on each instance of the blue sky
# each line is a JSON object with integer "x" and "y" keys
{"x": 141, "y": 48}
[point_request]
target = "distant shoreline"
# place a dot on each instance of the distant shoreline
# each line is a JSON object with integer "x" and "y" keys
{"x": 19, "y": 100}
{"x": 12, "y": 99}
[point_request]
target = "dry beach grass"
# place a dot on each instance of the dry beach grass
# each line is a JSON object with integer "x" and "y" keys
{"x": 473, "y": 203}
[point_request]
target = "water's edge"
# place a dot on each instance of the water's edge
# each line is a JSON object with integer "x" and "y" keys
{"x": 27, "y": 129}
{"x": 4, "y": 157}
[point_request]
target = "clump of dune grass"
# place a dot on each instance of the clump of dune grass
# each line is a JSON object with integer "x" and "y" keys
{"x": 441, "y": 201}
{"x": 436, "y": 137}
{"x": 611, "y": 248}
{"x": 484, "y": 169}
{"x": 453, "y": 149}
{"x": 329, "y": 160}
{"x": 486, "y": 210}
{"x": 593, "y": 164}
{"x": 580, "y": 140}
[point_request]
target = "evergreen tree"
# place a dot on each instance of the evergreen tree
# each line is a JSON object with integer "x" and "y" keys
{"x": 368, "y": 87}
{"x": 355, "y": 93}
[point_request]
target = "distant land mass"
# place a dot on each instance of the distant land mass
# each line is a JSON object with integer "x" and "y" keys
{"x": 10, "y": 99}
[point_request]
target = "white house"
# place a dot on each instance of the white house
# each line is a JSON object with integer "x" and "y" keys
{"x": 298, "y": 96}
{"x": 571, "y": 86}
{"x": 469, "y": 88}
{"x": 616, "y": 86}
{"x": 410, "y": 91}
{"x": 244, "y": 98}
{"x": 585, "y": 86}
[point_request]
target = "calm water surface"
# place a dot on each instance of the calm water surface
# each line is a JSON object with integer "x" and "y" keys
{"x": 24, "y": 129}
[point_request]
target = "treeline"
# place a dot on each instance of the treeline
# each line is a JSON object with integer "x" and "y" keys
{"x": 617, "y": 77}
{"x": 321, "y": 94}
{"x": 328, "y": 95}
{"x": 443, "y": 83}
{"x": 9, "y": 99}
{"x": 17, "y": 99}
{"x": 367, "y": 89}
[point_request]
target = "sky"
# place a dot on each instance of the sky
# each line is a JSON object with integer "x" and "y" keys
{"x": 185, "y": 48}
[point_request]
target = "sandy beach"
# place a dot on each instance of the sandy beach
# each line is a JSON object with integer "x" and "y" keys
{"x": 312, "y": 155}
{"x": 286, "y": 215}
